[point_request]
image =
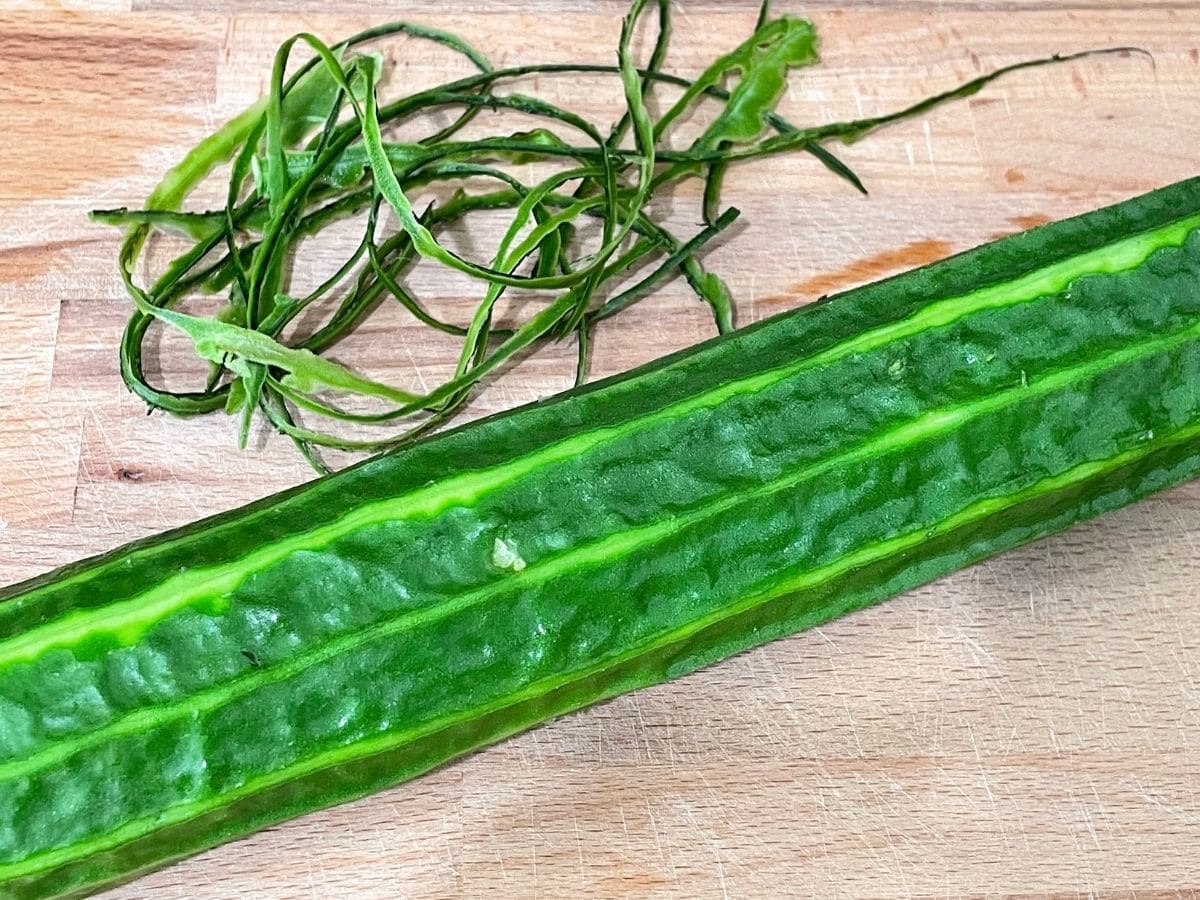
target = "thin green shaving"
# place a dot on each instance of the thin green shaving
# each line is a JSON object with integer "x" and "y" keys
{"x": 315, "y": 151}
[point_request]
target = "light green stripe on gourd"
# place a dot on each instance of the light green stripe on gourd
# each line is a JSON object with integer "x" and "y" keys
{"x": 937, "y": 421}
{"x": 808, "y": 580}
{"x": 125, "y": 620}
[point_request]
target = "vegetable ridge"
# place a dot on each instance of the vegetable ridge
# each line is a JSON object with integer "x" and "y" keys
{"x": 933, "y": 422}
{"x": 126, "y": 620}
{"x": 812, "y": 579}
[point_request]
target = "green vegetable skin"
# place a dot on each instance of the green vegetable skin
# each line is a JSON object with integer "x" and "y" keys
{"x": 361, "y": 629}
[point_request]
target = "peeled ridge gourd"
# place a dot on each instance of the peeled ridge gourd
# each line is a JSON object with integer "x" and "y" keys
{"x": 359, "y": 630}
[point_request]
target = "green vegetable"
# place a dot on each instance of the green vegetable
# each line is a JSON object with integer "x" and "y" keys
{"x": 314, "y": 153}
{"x": 366, "y": 627}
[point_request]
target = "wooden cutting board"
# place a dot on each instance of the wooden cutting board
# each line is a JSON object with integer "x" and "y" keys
{"x": 1029, "y": 726}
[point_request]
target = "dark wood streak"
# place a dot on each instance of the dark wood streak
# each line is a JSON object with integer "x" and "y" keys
{"x": 909, "y": 256}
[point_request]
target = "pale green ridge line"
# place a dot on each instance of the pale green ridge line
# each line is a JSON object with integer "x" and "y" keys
{"x": 929, "y": 424}
{"x": 126, "y": 620}
{"x": 367, "y": 747}
{"x": 1173, "y": 234}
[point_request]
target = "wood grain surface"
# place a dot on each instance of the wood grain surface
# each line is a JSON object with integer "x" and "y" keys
{"x": 1029, "y": 726}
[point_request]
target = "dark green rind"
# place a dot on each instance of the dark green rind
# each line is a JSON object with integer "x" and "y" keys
{"x": 485, "y": 443}
{"x": 772, "y": 619}
{"x": 1129, "y": 343}
{"x": 688, "y": 461}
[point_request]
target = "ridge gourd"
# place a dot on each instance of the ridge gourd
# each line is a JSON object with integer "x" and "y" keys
{"x": 361, "y": 629}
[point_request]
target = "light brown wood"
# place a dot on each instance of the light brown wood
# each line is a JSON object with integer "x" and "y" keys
{"x": 1029, "y": 726}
